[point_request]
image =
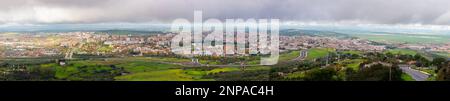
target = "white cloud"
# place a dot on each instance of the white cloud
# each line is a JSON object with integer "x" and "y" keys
{"x": 337, "y": 11}
{"x": 53, "y": 15}
{"x": 443, "y": 19}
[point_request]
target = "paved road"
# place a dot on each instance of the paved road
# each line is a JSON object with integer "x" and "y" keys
{"x": 415, "y": 74}
{"x": 302, "y": 56}
{"x": 69, "y": 54}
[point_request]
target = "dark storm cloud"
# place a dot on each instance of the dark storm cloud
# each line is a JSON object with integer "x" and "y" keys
{"x": 340, "y": 11}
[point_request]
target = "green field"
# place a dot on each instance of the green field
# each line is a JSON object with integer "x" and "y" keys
{"x": 258, "y": 68}
{"x": 404, "y": 38}
{"x": 289, "y": 55}
{"x": 254, "y": 62}
{"x": 443, "y": 54}
{"x": 160, "y": 59}
{"x": 134, "y": 69}
{"x": 160, "y": 75}
{"x": 298, "y": 74}
{"x": 142, "y": 66}
{"x": 80, "y": 70}
{"x": 352, "y": 52}
{"x": 155, "y": 69}
{"x": 407, "y": 77}
{"x": 108, "y": 68}
{"x": 209, "y": 62}
{"x": 352, "y": 63}
{"x": 314, "y": 53}
{"x": 220, "y": 70}
{"x": 174, "y": 74}
{"x": 402, "y": 51}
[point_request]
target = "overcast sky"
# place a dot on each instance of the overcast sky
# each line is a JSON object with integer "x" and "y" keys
{"x": 139, "y": 11}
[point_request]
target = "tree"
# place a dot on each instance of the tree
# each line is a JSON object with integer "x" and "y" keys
{"x": 390, "y": 55}
{"x": 439, "y": 62}
{"x": 406, "y": 57}
{"x": 325, "y": 74}
{"x": 377, "y": 72}
{"x": 348, "y": 72}
{"x": 444, "y": 73}
{"x": 417, "y": 57}
{"x": 421, "y": 61}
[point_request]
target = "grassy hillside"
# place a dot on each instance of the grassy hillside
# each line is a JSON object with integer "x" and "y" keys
{"x": 318, "y": 52}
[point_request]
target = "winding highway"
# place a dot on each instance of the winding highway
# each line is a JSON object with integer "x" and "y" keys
{"x": 302, "y": 56}
{"x": 415, "y": 74}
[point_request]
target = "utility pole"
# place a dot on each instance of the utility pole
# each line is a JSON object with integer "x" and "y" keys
{"x": 390, "y": 72}
{"x": 328, "y": 59}
{"x": 339, "y": 57}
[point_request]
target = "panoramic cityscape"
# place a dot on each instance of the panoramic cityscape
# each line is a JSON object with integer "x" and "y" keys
{"x": 305, "y": 55}
{"x": 49, "y": 40}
